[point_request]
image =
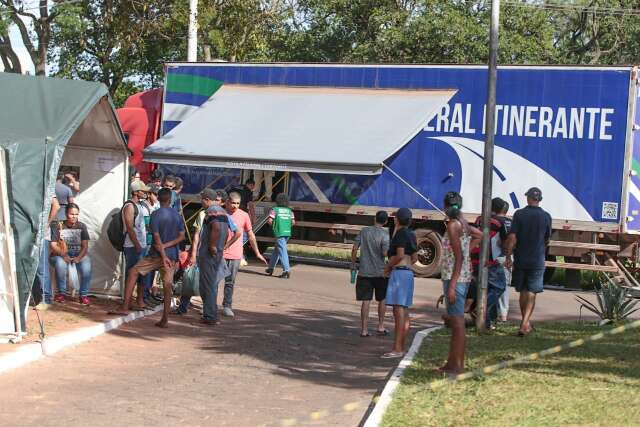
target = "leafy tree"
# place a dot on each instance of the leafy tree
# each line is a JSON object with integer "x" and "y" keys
{"x": 36, "y": 41}
{"x": 114, "y": 41}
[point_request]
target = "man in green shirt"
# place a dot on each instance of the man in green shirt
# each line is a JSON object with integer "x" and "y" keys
{"x": 281, "y": 220}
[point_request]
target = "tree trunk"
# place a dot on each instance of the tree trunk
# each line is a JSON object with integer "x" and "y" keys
{"x": 43, "y": 39}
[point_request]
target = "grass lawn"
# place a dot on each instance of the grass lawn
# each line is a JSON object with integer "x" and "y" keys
{"x": 596, "y": 384}
{"x": 318, "y": 252}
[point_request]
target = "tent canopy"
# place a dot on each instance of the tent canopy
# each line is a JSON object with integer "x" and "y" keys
{"x": 302, "y": 129}
{"x": 40, "y": 117}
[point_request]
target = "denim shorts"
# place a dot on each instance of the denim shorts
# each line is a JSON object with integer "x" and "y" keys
{"x": 457, "y": 309}
{"x": 400, "y": 287}
{"x": 528, "y": 279}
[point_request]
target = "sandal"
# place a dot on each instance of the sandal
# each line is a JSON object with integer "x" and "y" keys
{"x": 365, "y": 335}
{"x": 392, "y": 355}
{"x": 382, "y": 333}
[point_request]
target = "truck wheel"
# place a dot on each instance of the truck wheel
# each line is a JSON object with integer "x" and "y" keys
{"x": 429, "y": 253}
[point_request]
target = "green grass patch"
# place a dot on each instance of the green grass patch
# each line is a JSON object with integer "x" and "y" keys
{"x": 596, "y": 384}
{"x": 318, "y": 252}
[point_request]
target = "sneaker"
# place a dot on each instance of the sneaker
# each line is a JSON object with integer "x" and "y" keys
{"x": 285, "y": 275}
{"x": 59, "y": 298}
{"x": 269, "y": 271}
{"x": 227, "y": 312}
{"x": 84, "y": 301}
{"x": 43, "y": 306}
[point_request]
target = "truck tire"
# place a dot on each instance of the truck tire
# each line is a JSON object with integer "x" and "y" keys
{"x": 429, "y": 253}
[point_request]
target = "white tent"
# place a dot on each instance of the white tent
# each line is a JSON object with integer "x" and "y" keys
{"x": 98, "y": 150}
{"x": 302, "y": 129}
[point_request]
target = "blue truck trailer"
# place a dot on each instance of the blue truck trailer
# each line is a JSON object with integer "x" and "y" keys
{"x": 570, "y": 130}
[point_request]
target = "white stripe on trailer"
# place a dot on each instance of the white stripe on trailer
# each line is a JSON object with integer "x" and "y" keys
{"x": 317, "y": 192}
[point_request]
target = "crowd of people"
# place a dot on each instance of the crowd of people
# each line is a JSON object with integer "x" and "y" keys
{"x": 516, "y": 256}
{"x": 154, "y": 232}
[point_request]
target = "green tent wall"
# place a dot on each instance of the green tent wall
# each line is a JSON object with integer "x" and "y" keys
{"x": 39, "y": 117}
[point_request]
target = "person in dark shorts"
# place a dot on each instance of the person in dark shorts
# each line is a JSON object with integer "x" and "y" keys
{"x": 403, "y": 253}
{"x": 373, "y": 242}
{"x": 528, "y": 238}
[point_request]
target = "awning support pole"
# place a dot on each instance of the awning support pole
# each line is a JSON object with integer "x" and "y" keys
{"x": 426, "y": 199}
{"x": 487, "y": 176}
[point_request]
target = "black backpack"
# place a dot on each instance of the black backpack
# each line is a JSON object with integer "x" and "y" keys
{"x": 116, "y": 230}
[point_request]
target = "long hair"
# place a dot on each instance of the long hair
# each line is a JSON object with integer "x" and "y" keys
{"x": 453, "y": 204}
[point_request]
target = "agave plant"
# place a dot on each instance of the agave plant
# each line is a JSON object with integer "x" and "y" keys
{"x": 614, "y": 305}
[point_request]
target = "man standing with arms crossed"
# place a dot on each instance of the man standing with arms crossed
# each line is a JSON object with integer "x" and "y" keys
{"x": 233, "y": 253}
{"x": 373, "y": 242}
{"x": 527, "y": 241}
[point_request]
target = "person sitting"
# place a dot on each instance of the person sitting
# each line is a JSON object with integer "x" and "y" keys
{"x": 69, "y": 245}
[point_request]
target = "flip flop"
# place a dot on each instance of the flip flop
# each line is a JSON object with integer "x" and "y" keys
{"x": 364, "y": 335}
{"x": 392, "y": 355}
{"x": 382, "y": 333}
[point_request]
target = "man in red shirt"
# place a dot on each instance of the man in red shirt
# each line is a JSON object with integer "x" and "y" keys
{"x": 233, "y": 254}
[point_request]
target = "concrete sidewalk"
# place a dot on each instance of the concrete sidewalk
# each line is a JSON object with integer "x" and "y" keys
{"x": 292, "y": 349}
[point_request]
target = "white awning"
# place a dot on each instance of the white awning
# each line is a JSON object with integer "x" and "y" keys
{"x": 299, "y": 129}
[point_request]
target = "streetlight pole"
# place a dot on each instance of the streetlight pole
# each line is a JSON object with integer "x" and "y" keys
{"x": 487, "y": 176}
{"x": 192, "y": 43}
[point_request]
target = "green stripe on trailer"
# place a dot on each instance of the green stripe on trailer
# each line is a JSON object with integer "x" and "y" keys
{"x": 196, "y": 85}
{"x": 635, "y": 166}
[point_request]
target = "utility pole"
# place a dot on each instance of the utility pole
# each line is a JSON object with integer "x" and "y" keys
{"x": 487, "y": 176}
{"x": 192, "y": 44}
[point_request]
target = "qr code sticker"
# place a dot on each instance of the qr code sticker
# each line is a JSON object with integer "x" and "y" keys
{"x": 609, "y": 210}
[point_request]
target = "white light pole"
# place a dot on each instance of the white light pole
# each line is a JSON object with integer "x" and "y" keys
{"x": 192, "y": 44}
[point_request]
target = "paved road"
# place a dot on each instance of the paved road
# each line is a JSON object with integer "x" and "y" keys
{"x": 292, "y": 349}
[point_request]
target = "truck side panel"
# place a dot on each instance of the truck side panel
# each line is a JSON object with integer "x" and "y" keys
{"x": 557, "y": 128}
{"x": 633, "y": 206}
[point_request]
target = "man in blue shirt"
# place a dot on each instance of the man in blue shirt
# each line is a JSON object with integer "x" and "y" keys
{"x": 168, "y": 231}
{"x": 528, "y": 238}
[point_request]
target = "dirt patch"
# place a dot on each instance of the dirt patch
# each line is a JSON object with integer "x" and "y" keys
{"x": 66, "y": 317}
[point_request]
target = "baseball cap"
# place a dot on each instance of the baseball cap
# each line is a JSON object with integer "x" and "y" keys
{"x": 138, "y": 185}
{"x": 208, "y": 193}
{"x": 404, "y": 214}
{"x": 534, "y": 193}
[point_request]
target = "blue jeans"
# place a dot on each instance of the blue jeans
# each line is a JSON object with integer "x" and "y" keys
{"x": 497, "y": 284}
{"x": 43, "y": 281}
{"x": 62, "y": 268}
{"x": 131, "y": 257}
{"x": 280, "y": 253}
{"x": 184, "y": 305}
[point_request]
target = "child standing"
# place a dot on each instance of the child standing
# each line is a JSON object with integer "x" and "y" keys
{"x": 281, "y": 220}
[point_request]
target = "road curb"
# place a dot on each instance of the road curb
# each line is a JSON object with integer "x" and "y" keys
{"x": 382, "y": 403}
{"x": 31, "y": 352}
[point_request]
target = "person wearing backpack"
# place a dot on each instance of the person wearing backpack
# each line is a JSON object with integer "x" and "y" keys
{"x": 135, "y": 242}
{"x": 496, "y": 280}
{"x": 168, "y": 231}
{"x": 281, "y": 220}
